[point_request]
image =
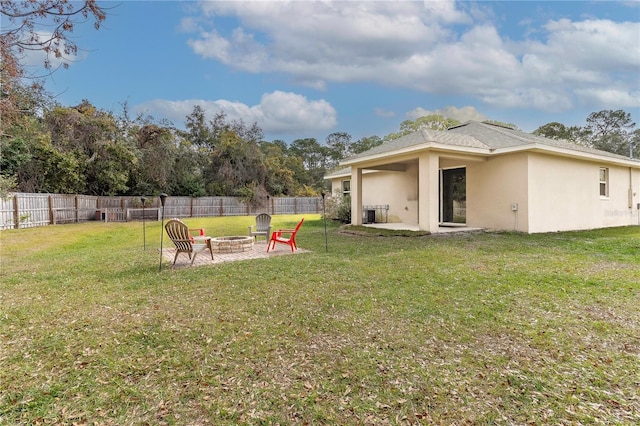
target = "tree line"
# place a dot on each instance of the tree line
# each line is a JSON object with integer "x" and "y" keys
{"x": 85, "y": 150}
{"x": 82, "y": 149}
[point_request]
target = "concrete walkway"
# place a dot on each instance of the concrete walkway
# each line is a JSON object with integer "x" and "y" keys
{"x": 204, "y": 257}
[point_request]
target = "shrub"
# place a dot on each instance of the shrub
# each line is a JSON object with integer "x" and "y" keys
{"x": 338, "y": 207}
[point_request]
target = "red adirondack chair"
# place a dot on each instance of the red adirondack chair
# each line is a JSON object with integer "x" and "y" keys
{"x": 277, "y": 237}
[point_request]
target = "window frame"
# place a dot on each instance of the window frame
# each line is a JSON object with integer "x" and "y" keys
{"x": 603, "y": 180}
{"x": 346, "y": 187}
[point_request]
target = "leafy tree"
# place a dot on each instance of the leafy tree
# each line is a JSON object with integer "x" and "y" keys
{"x": 314, "y": 158}
{"x": 236, "y": 168}
{"x": 339, "y": 147}
{"x": 198, "y": 131}
{"x": 20, "y": 101}
{"x": 109, "y": 169}
{"x": 7, "y": 184}
{"x": 430, "y": 122}
{"x": 81, "y": 128}
{"x": 555, "y": 130}
{"x": 365, "y": 144}
{"x": 35, "y": 25}
{"x": 187, "y": 177}
{"x": 313, "y": 154}
{"x": 610, "y": 130}
{"x": 97, "y": 143}
{"x": 42, "y": 25}
{"x": 207, "y": 134}
{"x": 155, "y": 160}
{"x": 32, "y": 164}
{"x": 50, "y": 169}
{"x": 232, "y": 160}
{"x": 607, "y": 130}
{"x": 15, "y": 150}
{"x": 279, "y": 143}
{"x": 635, "y": 144}
{"x": 280, "y": 177}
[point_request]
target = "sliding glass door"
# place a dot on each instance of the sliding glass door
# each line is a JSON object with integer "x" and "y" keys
{"x": 453, "y": 196}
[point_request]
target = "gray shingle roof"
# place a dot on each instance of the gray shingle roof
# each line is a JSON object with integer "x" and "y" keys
{"x": 339, "y": 172}
{"x": 474, "y": 134}
{"x": 422, "y": 137}
{"x": 502, "y": 137}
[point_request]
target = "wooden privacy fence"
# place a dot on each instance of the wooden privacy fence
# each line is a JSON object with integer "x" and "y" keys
{"x": 22, "y": 210}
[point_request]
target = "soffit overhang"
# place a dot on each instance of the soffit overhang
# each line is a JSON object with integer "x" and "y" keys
{"x": 477, "y": 154}
{"x": 569, "y": 153}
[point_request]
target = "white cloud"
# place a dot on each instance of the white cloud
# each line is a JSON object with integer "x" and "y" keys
{"x": 326, "y": 41}
{"x": 278, "y": 112}
{"x": 438, "y": 47}
{"x": 612, "y": 96}
{"x": 289, "y": 112}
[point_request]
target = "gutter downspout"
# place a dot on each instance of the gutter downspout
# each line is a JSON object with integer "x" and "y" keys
{"x": 632, "y": 194}
{"x": 631, "y": 144}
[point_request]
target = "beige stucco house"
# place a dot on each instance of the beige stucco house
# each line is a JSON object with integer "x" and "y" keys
{"x": 481, "y": 175}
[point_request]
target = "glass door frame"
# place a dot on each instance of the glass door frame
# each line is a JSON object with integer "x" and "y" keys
{"x": 441, "y": 197}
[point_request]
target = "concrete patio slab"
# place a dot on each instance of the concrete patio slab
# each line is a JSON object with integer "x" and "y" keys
{"x": 204, "y": 258}
{"x": 414, "y": 227}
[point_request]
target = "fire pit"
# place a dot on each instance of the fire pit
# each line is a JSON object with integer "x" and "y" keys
{"x": 231, "y": 244}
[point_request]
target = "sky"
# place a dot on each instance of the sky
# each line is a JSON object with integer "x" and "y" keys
{"x": 303, "y": 69}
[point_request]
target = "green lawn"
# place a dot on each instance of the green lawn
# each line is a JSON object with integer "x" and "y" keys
{"x": 384, "y": 328}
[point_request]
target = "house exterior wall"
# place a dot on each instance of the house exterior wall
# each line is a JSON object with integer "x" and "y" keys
{"x": 550, "y": 192}
{"x": 492, "y": 187}
{"x": 397, "y": 189}
{"x": 565, "y": 194}
{"x": 336, "y": 185}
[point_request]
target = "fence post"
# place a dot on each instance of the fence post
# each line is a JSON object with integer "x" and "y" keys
{"x": 16, "y": 214}
{"x": 52, "y": 214}
{"x": 295, "y": 205}
{"x": 76, "y": 204}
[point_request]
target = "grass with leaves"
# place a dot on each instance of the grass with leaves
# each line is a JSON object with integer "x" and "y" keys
{"x": 383, "y": 328}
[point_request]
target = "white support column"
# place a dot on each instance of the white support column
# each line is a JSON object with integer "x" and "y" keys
{"x": 356, "y": 196}
{"x": 428, "y": 192}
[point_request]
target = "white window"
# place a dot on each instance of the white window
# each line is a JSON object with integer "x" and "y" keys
{"x": 604, "y": 182}
{"x": 346, "y": 187}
